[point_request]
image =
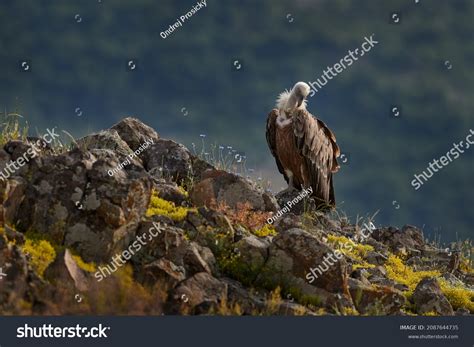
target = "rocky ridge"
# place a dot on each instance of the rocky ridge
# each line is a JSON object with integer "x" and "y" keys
{"x": 69, "y": 241}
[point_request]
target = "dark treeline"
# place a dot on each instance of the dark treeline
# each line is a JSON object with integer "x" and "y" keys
{"x": 188, "y": 84}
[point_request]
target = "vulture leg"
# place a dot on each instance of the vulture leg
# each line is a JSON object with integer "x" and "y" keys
{"x": 291, "y": 185}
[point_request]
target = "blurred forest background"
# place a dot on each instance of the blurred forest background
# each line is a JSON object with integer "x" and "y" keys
{"x": 188, "y": 84}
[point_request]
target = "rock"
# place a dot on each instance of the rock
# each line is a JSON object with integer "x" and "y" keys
{"x": 372, "y": 300}
{"x": 253, "y": 252}
{"x": 199, "y": 259}
{"x": 134, "y": 132}
{"x": 386, "y": 282}
{"x": 21, "y": 283}
{"x": 297, "y": 201}
{"x": 65, "y": 271}
{"x": 247, "y": 300}
{"x": 220, "y": 187}
{"x": 361, "y": 275}
{"x": 13, "y": 197}
{"x": 172, "y": 244}
{"x": 297, "y": 253}
{"x": 452, "y": 279}
{"x": 454, "y": 262}
{"x": 162, "y": 271}
{"x": 288, "y": 221}
{"x": 198, "y": 295}
{"x": 428, "y": 297}
{"x": 169, "y": 191}
{"x": 338, "y": 302}
{"x": 408, "y": 241}
{"x": 462, "y": 312}
{"x": 73, "y": 199}
{"x": 375, "y": 258}
{"x": 170, "y": 160}
{"x": 18, "y": 148}
{"x": 111, "y": 140}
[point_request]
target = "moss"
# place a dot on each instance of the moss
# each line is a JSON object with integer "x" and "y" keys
{"x": 311, "y": 301}
{"x": 232, "y": 265}
{"x": 457, "y": 296}
{"x": 404, "y": 274}
{"x": 183, "y": 191}
{"x": 465, "y": 266}
{"x": 41, "y": 252}
{"x": 266, "y": 230}
{"x": 159, "y": 206}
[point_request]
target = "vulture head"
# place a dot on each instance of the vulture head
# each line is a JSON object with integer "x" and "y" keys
{"x": 289, "y": 101}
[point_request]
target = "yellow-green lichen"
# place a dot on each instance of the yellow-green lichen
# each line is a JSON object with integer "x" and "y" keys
{"x": 159, "y": 206}
{"x": 41, "y": 254}
{"x": 266, "y": 230}
{"x": 404, "y": 274}
{"x": 457, "y": 296}
{"x": 88, "y": 267}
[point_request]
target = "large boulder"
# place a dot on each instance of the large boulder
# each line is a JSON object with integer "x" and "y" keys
{"x": 72, "y": 198}
{"x": 295, "y": 253}
{"x": 110, "y": 140}
{"x": 173, "y": 161}
{"x": 134, "y": 132}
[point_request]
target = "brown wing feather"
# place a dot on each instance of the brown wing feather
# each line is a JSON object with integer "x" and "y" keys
{"x": 271, "y": 139}
{"x": 317, "y": 144}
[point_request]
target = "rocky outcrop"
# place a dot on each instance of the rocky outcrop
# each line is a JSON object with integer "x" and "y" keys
{"x": 127, "y": 210}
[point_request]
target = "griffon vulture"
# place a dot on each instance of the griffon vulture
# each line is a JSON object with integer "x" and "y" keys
{"x": 304, "y": 148}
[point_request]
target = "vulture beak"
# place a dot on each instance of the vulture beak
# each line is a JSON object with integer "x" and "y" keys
{"x": 300, "y": 101}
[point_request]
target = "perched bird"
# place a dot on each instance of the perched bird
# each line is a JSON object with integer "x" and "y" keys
{"x": 304, "y": 148}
